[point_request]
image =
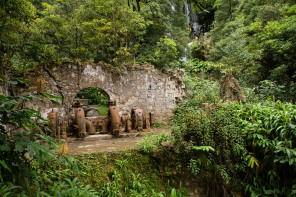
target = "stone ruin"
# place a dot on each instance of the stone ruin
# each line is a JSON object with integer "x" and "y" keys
{"x": 230, "y": 89}
{"x": 134, "y": 90}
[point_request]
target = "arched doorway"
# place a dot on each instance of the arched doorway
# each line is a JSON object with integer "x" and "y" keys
{"x": 97, "y": 98}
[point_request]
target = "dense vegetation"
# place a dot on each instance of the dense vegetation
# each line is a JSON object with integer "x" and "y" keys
{"x": 116, "y": 32}
{"x": 255, "y": 39}
{"x": 246, "y": 148}
{"x": 232, "y": 148}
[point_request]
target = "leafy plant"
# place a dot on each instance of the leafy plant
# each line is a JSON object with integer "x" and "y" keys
{"x": 70, "y": 188}
{"x": 20, "y": 131}
{"x": 269, "y": 129}
{"x": 24, "y": 146}
{"x": 153, "y": 142}
{"x": 8, "y": 189}
{"x": 158, "y": 125}
{"x": 166, "y": 54}
{"x": 212, "y": 142}
{"x": 147, "y": 145}
{"x": 201, "y": 90}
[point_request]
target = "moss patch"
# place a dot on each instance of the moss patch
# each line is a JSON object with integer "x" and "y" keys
{"x": 103, "y": 110}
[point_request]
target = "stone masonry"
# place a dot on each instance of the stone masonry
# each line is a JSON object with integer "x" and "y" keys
{"x": 137, "y": 86}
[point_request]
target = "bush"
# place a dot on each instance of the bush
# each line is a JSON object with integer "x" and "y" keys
{"x": 269, "y": 132}
{"x": 201, "y": 90}
{"x": 22, "y": 140}
{"x": 153, "y": 142}
{"x": 250, "y": 145}
{"x": 272, "y": 91}
{"x": 213, "y": 143}
{"x": 21, "y": 130}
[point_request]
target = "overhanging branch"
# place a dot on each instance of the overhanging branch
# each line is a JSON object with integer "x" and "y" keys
{"x": 200, "y": 7}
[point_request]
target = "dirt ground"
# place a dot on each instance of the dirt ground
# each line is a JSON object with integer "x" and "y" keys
{"x": 108, "y": 143}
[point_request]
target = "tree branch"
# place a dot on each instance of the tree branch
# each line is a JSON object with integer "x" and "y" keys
{"x": 200, "y": 7}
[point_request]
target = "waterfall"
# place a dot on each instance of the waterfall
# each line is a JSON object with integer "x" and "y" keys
{"x": 173, "y": 8}
{"x": 192, "y": 19}
{"x": 187, "y": 51}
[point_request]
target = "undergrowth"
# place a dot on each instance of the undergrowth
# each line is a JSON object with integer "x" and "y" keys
{"x": 114, "y": 174}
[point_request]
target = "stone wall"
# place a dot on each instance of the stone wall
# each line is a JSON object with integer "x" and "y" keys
{"x": 139, "y": 86}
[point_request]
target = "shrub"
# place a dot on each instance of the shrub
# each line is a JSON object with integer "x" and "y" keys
{"x": 250, "y": 145}
{"x": 153, "y": 142}
{"x": 213, "y": 144}
{"x": 269, "y": 132}
{"x": 20, "y": 135}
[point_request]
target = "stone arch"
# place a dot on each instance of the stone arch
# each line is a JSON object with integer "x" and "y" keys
{"x": 130, "y": 86}
{"x": 77, "y": 91}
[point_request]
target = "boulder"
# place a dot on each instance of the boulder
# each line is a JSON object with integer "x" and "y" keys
{"x": 92, "y": 112}
{"x": 86, "y": 108}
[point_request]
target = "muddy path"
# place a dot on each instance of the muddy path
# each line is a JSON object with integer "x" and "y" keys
{"x": 107, "y": 143}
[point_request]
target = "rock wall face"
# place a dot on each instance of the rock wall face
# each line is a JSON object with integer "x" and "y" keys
{"x": 230, "y": 90}
{"x": 139, "y": 86}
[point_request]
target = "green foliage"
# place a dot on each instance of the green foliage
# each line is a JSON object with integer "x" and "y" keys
{"x": 205, "y": 67}
{"x": 125, "y": 174}
{"x": 256, "y": 39}
{"x": 200, "y": 5}
{"x": 200, "y": 49}
{"x": 112, "y": 188}
{"x": 158, "y": 125}
{"x": 168, "y": 27}
{"x": 15, "y": 30}
{"x": 89, "y": 30}
{"x": 166, "y": 54}
{"x": 22, "y": 144}
{"x": 147, "y": 145}
{"x": 7, "y": 190}
{"x": 248, "y": 145}
{"x": 212, "y": 142}
{"x": 95, "y": 96}
{"x": 69, "y": 188}
{"x": 153, "y": 142}
{"x": 45, "y": 31}
{"x": 103, "y": 110}
{"x": 269, "y": 130}
{"x": 20, "y": 131}
{"x": 200, "y": 90}
{"x": 270, "y": 90}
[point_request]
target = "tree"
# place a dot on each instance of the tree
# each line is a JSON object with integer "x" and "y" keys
{"x": 256, "y": 39}
{"x": 15, "y": 19}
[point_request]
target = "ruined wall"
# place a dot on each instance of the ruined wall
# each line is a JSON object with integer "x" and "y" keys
{"x": 140, "y": 86}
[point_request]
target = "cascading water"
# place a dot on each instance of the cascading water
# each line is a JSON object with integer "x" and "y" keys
{"x": 186, "y": 54}
{"x": 192, "y": 18}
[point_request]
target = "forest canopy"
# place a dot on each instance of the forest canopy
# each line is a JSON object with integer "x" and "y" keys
{"x": 118, "y": 31}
